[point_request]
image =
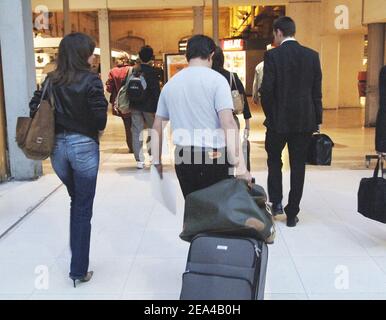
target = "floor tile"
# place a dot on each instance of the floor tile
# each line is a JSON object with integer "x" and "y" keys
{"x": 151, "y": 296}
{"x": 339, "y": 275}
{"x": 146, "y": 275}
{"x": 163, "y": 243}
{"x": 74, "y": 296}
{"x": 109, "y": 278}
{"x": 22, "y": 276}
{"x": 287, "y": 296}
{"x": 282, "y": 276}
{"x": 331, "y": 240}
{"x": 348, "y": 296}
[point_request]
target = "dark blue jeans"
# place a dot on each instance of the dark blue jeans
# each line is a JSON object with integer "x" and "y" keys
{"x": 75, "y": 160}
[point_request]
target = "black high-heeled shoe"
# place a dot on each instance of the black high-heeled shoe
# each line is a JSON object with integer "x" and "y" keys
{"x": 86, "y": 278}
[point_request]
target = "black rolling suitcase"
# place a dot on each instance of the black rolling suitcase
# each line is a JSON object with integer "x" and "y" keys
{"x": 225, "y": 268}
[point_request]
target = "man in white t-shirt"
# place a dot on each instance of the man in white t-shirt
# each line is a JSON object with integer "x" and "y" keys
{"x": 199, "y": 105}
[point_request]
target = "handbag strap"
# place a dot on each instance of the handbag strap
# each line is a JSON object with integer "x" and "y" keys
{"x": 45, "y": 88}
{"x": 50, "y": 98}
{"x": 233, "y": 80}
{"x": 379, "y": 165}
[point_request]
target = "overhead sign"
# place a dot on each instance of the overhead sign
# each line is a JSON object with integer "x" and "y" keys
{"x": 233, "y": 44}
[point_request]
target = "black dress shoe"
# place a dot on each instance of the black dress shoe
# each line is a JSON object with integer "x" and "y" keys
{"x": 292, "y": 222}
{"x": 277, "y": 209}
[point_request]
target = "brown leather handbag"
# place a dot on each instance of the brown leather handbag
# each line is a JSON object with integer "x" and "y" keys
{"x": 36, "y": 136}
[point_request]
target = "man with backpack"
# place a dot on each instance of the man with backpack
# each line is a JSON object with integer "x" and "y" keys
{"x": 143, "y": 90}
{"x": 117, "y": 77}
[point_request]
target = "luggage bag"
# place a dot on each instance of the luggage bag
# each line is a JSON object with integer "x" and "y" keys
{"x": 223, "y": 267}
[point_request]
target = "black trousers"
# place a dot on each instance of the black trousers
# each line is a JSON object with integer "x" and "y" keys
{"x": 297, "y": 147}
{"x": 198, "y": 168}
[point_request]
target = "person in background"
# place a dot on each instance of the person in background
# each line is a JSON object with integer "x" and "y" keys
{"x": 143, "y": 111}
{"x": 218, "y": 65}
{"x": 291, "y": 97}
{"x": 380, "y": 132}
{"x": 258, "y": 79}
{"x": 160, "y": 72}
{"x": 114, "y": 83}
{"x": 49, "y": 67}
{"x": 80, "y": 118}
{"x": 198, "y": 103}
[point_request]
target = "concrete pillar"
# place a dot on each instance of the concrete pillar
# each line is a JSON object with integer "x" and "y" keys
{"x": 66, "y": 17}
{"x": 330, "y": 53}
{"x": 253, "y": 14}
{"x": 3, "y": 141}
{"x": 198, "y": 20}
{"x": 215, "y": 13}
{"x": 351, "y": 57}
{"x": 376, "y": 47}
{"x": 308, "y": 18}
{"x": 19, "y": 78}
{"x": 104, "y": 43}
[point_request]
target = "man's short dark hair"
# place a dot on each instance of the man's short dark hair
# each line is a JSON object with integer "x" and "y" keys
{"x": 285, "y": 25}
{"x": 146, "y": 54}
{"x": 200, "y": 46}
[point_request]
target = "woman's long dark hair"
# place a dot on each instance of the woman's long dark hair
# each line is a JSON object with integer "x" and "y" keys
{"x": 74, "y": 51}
{"x": 218, "y": 59}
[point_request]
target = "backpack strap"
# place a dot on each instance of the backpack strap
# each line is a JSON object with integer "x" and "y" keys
{"x": 128, "y": 74}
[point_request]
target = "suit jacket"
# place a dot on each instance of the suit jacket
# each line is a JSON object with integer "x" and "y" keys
{"x": 291, "y": 92}
{"x": 380, "y": 132}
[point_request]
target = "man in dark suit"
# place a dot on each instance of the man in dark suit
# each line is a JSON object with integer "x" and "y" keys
{"x": 291, "y": 97}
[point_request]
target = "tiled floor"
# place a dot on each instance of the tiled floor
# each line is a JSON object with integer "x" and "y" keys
{"x": 334, "y": 253}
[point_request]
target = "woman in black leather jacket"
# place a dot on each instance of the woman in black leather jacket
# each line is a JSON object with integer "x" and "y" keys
{"x": 80, "y": 117}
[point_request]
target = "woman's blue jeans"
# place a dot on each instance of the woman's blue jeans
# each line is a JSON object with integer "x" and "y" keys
{"x": 75, "y": 160}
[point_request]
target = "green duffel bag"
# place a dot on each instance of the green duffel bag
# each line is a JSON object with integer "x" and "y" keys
{"x": 229, "y": 207}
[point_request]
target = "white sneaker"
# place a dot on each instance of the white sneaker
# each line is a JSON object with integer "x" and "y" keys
{"x": 140, "y": 165}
